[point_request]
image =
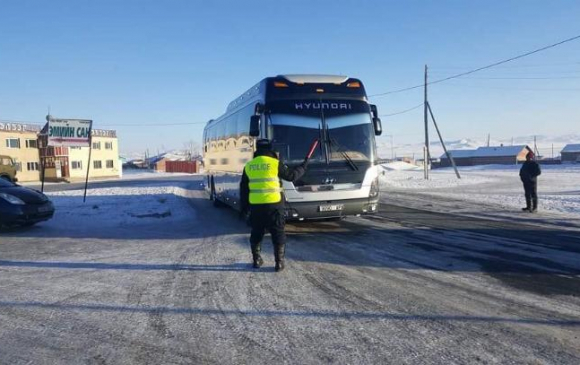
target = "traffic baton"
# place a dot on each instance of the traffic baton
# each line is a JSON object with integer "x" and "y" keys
{"x": 312, "y": 148}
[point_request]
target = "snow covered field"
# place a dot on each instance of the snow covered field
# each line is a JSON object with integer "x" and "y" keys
{"x": 121, "y": 206}
{"x": 489, "y": 187}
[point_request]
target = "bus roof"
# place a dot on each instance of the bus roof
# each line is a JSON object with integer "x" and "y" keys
{"x": 332, "y": 83}
{"x": 315, "y": 79}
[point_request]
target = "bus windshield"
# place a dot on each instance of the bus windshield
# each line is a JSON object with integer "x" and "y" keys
{"x": 346, "y": 136}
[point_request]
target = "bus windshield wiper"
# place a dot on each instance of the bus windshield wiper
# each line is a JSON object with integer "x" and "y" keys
{"x": 345, "y": 155}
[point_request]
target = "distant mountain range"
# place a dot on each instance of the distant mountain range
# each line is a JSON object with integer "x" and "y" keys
{"x": 543, "y": 143}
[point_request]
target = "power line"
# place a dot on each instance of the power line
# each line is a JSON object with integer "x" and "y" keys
{"x": 515, "y": 88}
{"x": 402, "y": 111}
{"x": 112, "y": 125}
{"x": 150, "y": 124}
{"x": 480, "y": 68}
{"x": 577, "y": 63}
{"x": 522, "y": 78}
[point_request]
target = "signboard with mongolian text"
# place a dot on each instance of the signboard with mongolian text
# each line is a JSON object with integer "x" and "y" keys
{"x": 69, "y": 132}
{"x": 19, "y": 127}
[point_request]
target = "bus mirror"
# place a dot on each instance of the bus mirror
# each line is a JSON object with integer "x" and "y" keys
{"x": 374, "y": 111}
{"x": 378, "y": 126}
{"x": 255, "y": 126}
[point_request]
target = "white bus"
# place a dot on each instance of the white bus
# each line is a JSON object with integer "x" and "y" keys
{"x": 292, "y": 111}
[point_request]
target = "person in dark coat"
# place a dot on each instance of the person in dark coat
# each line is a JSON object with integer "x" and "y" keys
{"x": 529, "y": 175}
{"x": 261, "y": 193}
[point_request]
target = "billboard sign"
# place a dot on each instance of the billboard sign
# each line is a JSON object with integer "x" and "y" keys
{"x": 69, "y": 132}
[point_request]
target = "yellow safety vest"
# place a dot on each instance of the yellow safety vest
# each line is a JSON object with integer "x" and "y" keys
{"x": 264, "y": 184}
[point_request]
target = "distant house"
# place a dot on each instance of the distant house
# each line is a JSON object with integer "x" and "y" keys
{"x": 500, "y": 155}
{"x": 571, "y": 153}
{"x": 461, "y": 158}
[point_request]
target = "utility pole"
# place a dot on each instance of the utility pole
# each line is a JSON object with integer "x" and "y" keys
{"x": 488, "y": 138}
{"x": 426, "y": 117}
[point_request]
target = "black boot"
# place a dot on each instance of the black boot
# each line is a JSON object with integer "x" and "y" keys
{"x": 535, "y": 205}
{"x": 528, "y": 207}
{"x": 258, "y": 262}
{"x": 256, "y": 257}
{"x": 279, "y": 252}
{"x": 280, "y": 265}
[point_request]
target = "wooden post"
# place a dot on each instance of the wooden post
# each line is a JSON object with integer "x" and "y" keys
{"x": 89, "y": 163}
{"x": 442, "y": 143}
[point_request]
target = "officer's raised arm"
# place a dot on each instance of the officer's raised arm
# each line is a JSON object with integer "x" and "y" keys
{"x": 292, "y": 174}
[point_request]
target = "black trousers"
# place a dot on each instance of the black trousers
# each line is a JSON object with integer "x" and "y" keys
{"x": 531, "y": 192}
{"x": 268, "y": 217}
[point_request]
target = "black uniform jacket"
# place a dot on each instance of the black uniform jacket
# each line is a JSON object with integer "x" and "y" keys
{"x": 284, "y": 172}
{"x": 530, "y": 171}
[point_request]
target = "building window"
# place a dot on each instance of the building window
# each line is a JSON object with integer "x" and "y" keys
{"x": 31, "y": 143}
{"x": 32, "y": 166}
{"x": 96, "y": 145}
{"x": 77, "y": 165}
{"x": 75, "y": 148}
{"x": 110, "y": 164}
{"x": 13, "y": 142}
{"x": 97, "y": 164}
{"x": 108, "y": 145}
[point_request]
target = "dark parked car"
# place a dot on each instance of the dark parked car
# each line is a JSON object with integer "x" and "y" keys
{"x": 22, "y": 206}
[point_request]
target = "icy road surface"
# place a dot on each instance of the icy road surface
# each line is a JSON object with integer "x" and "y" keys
{"x": 152, "y": 273}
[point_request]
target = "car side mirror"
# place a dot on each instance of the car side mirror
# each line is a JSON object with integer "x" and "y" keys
{"x": 255, "y": 126}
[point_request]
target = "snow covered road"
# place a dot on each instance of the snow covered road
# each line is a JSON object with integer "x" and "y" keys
{"x": 409, "y": 286}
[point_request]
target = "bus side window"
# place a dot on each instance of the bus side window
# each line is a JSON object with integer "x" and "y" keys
{"x": 221, "y": 131}
{"x": 230, "y": 126}
{"x": 243, "y": 120}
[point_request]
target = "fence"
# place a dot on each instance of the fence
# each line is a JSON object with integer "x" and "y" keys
{"x": 190, "y": 167}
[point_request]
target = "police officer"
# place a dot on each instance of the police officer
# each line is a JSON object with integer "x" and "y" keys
{"x": 261, "y": 192}
{"x": 529, "y": 175}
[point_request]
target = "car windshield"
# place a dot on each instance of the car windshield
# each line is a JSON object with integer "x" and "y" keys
{"x": 349, "y": 135}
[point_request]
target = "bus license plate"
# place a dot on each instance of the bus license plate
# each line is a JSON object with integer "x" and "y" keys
{"x": 330, "y": 208}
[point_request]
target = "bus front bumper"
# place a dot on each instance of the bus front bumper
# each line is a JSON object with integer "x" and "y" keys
{"x": 331, "y": 209}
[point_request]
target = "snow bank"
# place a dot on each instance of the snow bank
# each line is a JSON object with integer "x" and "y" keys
{"x": 121, "y": 206}
{"x": 495, "y": 186}
{"x": 400, "y": 165}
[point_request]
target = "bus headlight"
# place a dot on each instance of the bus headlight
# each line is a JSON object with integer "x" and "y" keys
{"x": 374, "y": 189}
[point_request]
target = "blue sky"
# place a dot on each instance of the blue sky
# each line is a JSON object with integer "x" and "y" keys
{"x": 166, "y": 62}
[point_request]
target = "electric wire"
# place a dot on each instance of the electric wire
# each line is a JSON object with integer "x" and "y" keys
{"x": 402, "y": 111}
{"x": 478, "y": 69}
{"x": 114, "y": 124}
